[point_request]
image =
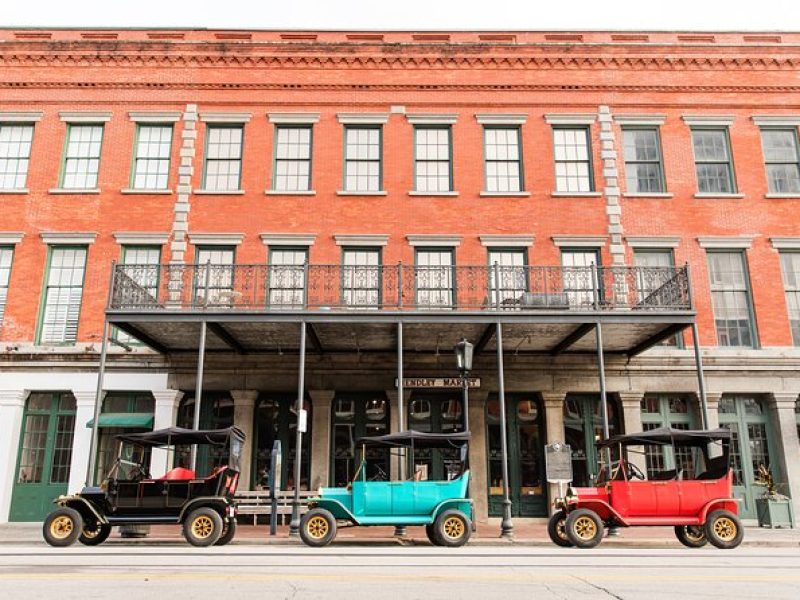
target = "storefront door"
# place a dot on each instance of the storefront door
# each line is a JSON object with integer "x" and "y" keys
{"x": 356, "y": 415}
{"x": 526, "y": 475}
{"x": 45, "y": 453}
{"x": 276, "y": 419}
{"x": 751, "y": 446}
{"x": 583, "y": 427}
{"x": 437, "y": 413}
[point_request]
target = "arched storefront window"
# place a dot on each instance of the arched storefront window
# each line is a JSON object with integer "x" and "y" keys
{"x": 276, "y": 419}
{"x": 583, "y": 428}
{"x": 216, "y": 412}
{"x": 356, "y": 415}
{"x": 669, "y": 410}
{"x": 123, "y": 412}
{"x": 436, "y": 413}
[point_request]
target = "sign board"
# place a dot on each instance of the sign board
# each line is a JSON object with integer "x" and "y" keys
{"x": 275, "y": 469}
{"x": 439, "y": 382}
{"x": 302, "y": 421}
{"x": 558, "y": 462}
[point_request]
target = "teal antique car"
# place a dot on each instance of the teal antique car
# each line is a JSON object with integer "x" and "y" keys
{"x": 443, "y": 507}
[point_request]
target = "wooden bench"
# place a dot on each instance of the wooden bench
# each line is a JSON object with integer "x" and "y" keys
{"x": 258, "y": 502}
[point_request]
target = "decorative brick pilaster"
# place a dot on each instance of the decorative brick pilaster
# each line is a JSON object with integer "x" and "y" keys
{"x": 611, "y": 191}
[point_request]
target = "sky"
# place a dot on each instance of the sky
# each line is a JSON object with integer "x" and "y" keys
{"x": 717, "y": 15}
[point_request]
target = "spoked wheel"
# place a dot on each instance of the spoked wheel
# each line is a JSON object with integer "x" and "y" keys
{"x": 691, "y": 536}
{"x": 557, "y": 529}
{"x": 62, "y": 527}
{"x": 318, "y": 527}
{"x": 94, "y": 533}
{"x": 584, "y": 528}
{"x": 723, "y": 529}
{"x": 203, "y": 527}
{"x": 228, "y": 533}
{"x": 452, "y": 528}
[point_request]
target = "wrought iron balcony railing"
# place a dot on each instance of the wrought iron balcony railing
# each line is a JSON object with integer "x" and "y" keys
{"x": 264, "y": 288}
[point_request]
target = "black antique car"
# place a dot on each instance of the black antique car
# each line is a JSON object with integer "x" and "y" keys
{"x": 129, "y": 496}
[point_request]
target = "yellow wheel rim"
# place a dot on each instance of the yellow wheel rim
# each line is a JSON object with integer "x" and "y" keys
{"x": 725, "y": 529}
{"x": 585, "y": 528}
{"x": 61, "y": 527}
{"x": 561, "y": 529}
{"x": 317, "y": 527}
{"x": 202, "y": 527}
{"x": 91, "y": 533}
{"x": 693, "y": 533}
{"x": 453, "y": 527}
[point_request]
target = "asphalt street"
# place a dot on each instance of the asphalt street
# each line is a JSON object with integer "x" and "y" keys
{"x": 384, "y": 572}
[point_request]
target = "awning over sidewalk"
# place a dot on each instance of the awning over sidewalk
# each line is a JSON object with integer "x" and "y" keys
{"x": 124, "y": 420}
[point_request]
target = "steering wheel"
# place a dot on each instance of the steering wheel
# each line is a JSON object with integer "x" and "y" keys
{"x": 380, "y": 474}
{"x": 634, "y": 472}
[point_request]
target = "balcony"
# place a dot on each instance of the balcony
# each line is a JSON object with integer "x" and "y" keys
{"x": 442, "y": 289}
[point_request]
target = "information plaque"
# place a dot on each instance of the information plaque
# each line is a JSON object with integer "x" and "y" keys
{"x": 558, "y": 462}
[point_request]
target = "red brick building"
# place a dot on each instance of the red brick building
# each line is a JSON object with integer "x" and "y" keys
{"x": 354, "y": 152}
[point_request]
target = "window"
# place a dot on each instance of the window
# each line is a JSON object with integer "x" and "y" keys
{"x": 362, "y": 159}
{"x": 669, "y": 411}
{"x": 503, "y": 159}
{"x": 712, "y": 158}
{"x": 223, "y": 167}
{"x": 577, "y": 276}
{"x": 143, "y": 267}
{"x": 62, "y": 295}
{"x": 82, "y": 157}
{"x": 6, "y": 256}
{"x": 790, "y": 266}
{"x": 151, "y": 157}
{"x": 292, "y": 159}
{"x": 15, "y": 153}
{"x": 572, "y": 152}
{"x": 287, "y": 277}
{"x": 782, "y": 160}
{"x": 435, "y": 278}
{"x": 432, "y": 159}
{"x": 356, "y": 415}
{"x": 644, "y": 173}
{"x": 657, "y": 269}
{"x": 513, "y": 274}
{"x": 215, "y": 272}
{"x": 361, "y": 277}
{"x": 730, "y": 298}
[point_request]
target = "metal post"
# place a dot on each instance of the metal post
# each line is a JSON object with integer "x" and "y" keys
{"x": 701, "y": 380}
{"x": 98, "y": 404}
{"x": 506, "y": 526}
{"x": 465, "y": 400}
{"x": 400, "y": 531}
{"x": 198, "y": 388}
{"x": 601, "y": 368}
{"x": 294, "y": 525}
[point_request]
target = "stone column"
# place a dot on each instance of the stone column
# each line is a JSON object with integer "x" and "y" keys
{"x": 12, "y": 404}
{"x": 632, "y": 419}
{"x": 478, "y": 462}
{"x": 82, "y": 439}
{"x": 782, "y": 405}
{"x": 165, "y": 415}
{"x": 244, "y": 402}
{"x": 554, "y": 421}
{"x": 321, "y": 403}
{"x": 712, "y": 400}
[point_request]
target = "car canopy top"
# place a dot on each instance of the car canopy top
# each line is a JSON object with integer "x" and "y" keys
{"x": 177, "y": 436}
{"x": 417, "y": 439}
{"x": 667, "y": 436}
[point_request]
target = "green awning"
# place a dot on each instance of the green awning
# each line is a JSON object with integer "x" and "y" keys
{"x": 128, "y": 420}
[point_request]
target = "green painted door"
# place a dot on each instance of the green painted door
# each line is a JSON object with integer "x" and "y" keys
{"x": 275, "y": 419}
{"x": 440, "y": 412}
{"x": 356, "y": 415}
{"x": 583, "y": 428}
{"x": 526, "y": 476}
{"x": 747, "y": 418}
{"x": 45, "y": 452}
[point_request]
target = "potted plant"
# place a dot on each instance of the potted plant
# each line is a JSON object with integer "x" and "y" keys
{"x": 773, "y": 508}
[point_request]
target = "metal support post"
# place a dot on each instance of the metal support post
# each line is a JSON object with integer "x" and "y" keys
{"x": 400, "y": 531}
{"x": 701, "y": 380}
{"x": 294, "y": 525}
{"x": 198, "y": 388}
{"x": 465, "y": 400}
{"x": 506, "y": 526}
{"x": 98, "y": 405}
{"x": 601, "y": 368}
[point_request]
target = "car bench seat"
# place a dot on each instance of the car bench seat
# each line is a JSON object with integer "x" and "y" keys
{"x": 178, "y": 474}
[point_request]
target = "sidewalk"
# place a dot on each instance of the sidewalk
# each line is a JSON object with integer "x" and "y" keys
{"x": 527, "y": 532}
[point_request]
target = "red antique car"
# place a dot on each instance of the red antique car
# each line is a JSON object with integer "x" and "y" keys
{"x": 700, "y": 506}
